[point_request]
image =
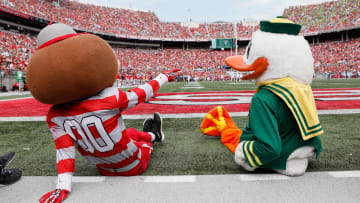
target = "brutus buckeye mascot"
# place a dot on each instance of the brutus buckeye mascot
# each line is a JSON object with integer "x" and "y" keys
{"x": 283, "y": 129}
{"x": 75, "y": 72}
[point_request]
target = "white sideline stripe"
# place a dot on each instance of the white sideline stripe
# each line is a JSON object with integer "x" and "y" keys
{"x": 345, "y": 174}
{"x": 191, "y": 87}
{"x": 88, "y": 179}
{"x": 180, "y": 115}
{"x": 339, "y": 111}
{"x": 262, "y": 177}
{"x": 170, "y": 179}
{"x": 30, "y": 118}
{"x": 1, "y": 100}
{"x": 193, "y": 178}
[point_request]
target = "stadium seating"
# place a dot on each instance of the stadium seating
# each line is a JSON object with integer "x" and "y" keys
{"x": 328, "y": 16}
{"x": 330, "y": 57}
{"x": 15, "y": 50}
{"x": 337, "y": 58}
{"x": 333, "y": 15}
{"x": 121, "y": 22}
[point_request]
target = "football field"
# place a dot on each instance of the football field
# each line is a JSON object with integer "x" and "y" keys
{"x": 186, "y": 151}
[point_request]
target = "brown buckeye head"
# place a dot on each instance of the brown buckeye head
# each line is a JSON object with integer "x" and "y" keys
{"x": 69, "y": 67}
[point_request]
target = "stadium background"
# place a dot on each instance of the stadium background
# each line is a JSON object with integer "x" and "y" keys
{"x": 146, "y": 46}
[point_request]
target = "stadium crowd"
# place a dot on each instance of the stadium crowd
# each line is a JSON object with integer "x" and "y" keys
{"x": 337, "y": 59}
{"x": 130, "y": 23}
{"x": 327, "y": 16}
{"x": 332, "y": 59}
{"x": 201, "y": 64}
{"x": 15, "y": 50}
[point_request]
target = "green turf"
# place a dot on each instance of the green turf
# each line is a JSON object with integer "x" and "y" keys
{"x": 185, "y": 150}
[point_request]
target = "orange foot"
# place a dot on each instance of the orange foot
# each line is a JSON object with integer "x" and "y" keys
{"x": 215, "y": 121}
{"x": 218, "y": 122}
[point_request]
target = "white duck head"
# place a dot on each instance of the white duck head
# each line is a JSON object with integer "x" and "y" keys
{"x": 276, "y": 51}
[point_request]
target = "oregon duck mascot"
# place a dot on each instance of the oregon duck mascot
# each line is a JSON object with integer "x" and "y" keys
{"x": 283, "y": 129}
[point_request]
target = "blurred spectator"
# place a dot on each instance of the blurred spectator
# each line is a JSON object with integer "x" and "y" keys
{"x": 15, "y": 50}
{"x": 327, "y": 16}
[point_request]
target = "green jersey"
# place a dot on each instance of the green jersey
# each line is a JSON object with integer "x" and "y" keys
{"x": 272, "y": 133}
{"x": 19, "y": 76}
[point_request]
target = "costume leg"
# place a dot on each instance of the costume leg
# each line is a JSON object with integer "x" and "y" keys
{"x": 138, "y": 135}
{"x": 136, "y": 167}
{"x": 146, "y": 150}
{"x": 295, "y": 167}
{"x": 298, "y": 161}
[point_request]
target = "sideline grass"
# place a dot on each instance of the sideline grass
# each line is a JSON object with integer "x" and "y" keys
{"x": 185, "y": 150}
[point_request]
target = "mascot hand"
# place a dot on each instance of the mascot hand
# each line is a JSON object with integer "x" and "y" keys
{"x": 168, "y": 74}
{"x": 55, "y": 196}
{"x": 215, "y": 121}
{"x": 240, "y": 158}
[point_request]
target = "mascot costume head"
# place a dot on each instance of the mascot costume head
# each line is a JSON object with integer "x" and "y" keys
{"x": 284, "y": 128}
{"x": 276, "y": 51}
{"x": 69, "y": 66}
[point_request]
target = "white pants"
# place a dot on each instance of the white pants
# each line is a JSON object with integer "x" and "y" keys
{"x": 298, "y": 161}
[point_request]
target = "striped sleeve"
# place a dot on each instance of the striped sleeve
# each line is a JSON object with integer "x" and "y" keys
{"x": 142, "y": 93}
{"x": 65, "y": 156}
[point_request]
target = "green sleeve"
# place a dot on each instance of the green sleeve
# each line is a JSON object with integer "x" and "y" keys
{"x": 265, "y": 143}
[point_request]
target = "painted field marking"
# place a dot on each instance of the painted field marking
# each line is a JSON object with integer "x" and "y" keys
{"x": 192, "y": 85}
{"x": 241, "y": 177}
{"x": 16, "y": 98}
{"x": 21, "y": 119}
{"x": 339, "y": 111}
{"x": 345, "y": 174}
{"x": 262, "y": 177}
{"x": 170, "y": 179}
{"x": 87, "y": 179}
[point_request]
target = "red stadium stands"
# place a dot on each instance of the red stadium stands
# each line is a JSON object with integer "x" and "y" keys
{"x": 330, "y": 57}
{"x": 15, "y": 50}
{"x": 333, "y": 15}
{"x": 328, "y": 16}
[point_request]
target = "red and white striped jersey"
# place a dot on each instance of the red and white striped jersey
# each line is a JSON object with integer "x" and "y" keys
{"x": 95, "y": 127}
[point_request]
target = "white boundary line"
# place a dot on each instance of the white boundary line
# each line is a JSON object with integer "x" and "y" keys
{"x": 241, "y": 177}
{"x": 170, "y": 179}
{"x": 262, "y": 177}
{"x": 16, "y": 98}
{"x": 344, "y": 174}
{"x": 88, "y": 179}
{"x": 179, "y": 115}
